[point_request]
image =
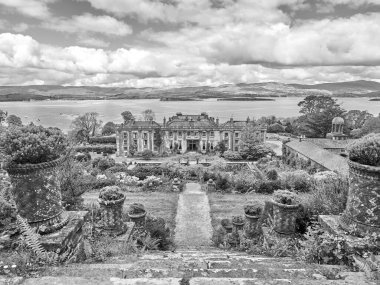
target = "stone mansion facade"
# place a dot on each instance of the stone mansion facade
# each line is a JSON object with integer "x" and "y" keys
{"x": 182, "y": 133}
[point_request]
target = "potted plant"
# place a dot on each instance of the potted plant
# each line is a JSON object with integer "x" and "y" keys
{"x": 111, "y": 201}
{"x": 238, "y": 223}
{"x": 137, "y": 214}
{"x": 363, "y": 203}
{"x": 227, "y": 225}
{"x": 285, "y": 211}
{"x": 33, "y": 154}
{"x": 252, "y": 216}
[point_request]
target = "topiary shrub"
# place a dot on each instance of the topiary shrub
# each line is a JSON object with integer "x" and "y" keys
{"x": 157, "y": 229}
{"x": 272, "y": 174}
{"x": 285, "y": 197}
{"x": 366, "y": 150}
{"x": 222, "y": 182}
{"x": 104, "y": 163}
{"x": 111, "y": 193}
{"x": 232, "y": 155}
{"x": 147, "y": 154}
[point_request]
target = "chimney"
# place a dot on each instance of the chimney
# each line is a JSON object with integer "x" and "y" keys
{"x": 164, "y": 122}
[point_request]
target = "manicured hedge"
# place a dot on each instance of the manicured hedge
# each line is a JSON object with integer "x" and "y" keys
{"x": 103, "y": 140}
{"x": 97, "y": 148}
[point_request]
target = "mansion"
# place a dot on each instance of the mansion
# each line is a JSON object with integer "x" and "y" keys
{"x": 182, "y": 133}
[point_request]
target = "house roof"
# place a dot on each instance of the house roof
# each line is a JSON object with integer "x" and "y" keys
{"x": 321, "y": 156}
{"x": 191, "y": 122}
{"x": 330, "y": 144}
{"x": 142, "y": 124}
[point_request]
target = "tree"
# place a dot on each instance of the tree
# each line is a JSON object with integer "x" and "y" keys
{"x": 3, "y": 116}
{"x": 14, "y": 120}
{"x": 127, "y": 116}
{"x": 355, "y": 119}
{"x": 109, "y": 129}
{"x": 148, "y": 115}
{"x": 275, "y": 128}
{"x": 318, "y": 113}
{"x": 372, "y": 125}
{"x": 251, "y": 148}
{"x": 86, "y": 125}
{"x": 221, "y": 147}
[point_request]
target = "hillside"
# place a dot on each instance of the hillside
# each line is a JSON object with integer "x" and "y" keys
{"x": 267, "y": 89}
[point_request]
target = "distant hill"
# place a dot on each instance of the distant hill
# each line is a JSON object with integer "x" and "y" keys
{"x": 359, "y": 88}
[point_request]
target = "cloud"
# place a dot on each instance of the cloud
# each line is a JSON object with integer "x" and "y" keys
{"x": 32, "y": 8}
{"x": 93, "y": 42}
{"x": 106, "y": 25}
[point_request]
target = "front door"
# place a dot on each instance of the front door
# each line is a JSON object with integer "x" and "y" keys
{"x": 192, "y": 145}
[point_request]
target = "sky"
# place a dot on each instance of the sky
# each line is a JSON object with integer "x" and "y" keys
{"x": 168, "y": 43}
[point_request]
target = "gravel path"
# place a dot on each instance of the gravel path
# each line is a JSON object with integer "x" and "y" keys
{"x": 193, "y": 221}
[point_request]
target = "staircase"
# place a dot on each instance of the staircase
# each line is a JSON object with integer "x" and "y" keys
{"x": 198, "y": 267}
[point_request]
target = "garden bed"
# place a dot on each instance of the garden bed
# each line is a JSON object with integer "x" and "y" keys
{"x": 159, "y": 204}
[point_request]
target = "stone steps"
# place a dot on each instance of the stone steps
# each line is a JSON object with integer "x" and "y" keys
{"x": 199, "y": 268}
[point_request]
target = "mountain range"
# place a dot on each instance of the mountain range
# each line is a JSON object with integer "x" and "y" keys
{"x": 361, "y": 88}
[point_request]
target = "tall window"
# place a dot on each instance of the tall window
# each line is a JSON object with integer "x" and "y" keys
{"x": 135, "y": 135}
{"x": 170, "y": 134}
{"x": 226, "y": 135}
{"x": 204, "y": 145}
{"x": 211, "y": 134}
{"x": 236, "y": 135}
{"x": 180, "y": 134}
{"x": 203, "y": 134}
{"x": 145, "y": 136}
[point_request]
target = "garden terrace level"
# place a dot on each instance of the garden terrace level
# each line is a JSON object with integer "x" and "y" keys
{"x": 182, "y": 133}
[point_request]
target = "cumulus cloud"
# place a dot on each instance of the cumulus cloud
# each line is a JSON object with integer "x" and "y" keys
{"x": 31, "y": 8}
{"x": 106, "y": 25}
{"x": 93, "y": 42}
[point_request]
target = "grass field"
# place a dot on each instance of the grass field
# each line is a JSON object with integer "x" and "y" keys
{"x": 158, "y": 204}
{"x": 228, "y": 205}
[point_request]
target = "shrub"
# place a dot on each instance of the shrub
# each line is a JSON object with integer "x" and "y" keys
{"x": 272, "y": 174}
{"x": 253, "y": 209}
{"x": 136, "y": 208}
{"x": 244, "y": 182}
{"x": 222, "y": 182}
{"x": 207, "y": 175}
{"x": 118, "y": 167}
{"x": 329, "y": 194}
{"x": 111, "y": 193}
{"x": 268, "y": 187}
{"x": 157, "y": 229}
{"x": 255, "y": 151}
{"x": 285, "y": 197}
{"x": 366, "y": 150}
{"x": 147, "y": 154}
{"x": 104, "y": 163}
{"x": 298, "y": 180}
{"x": 232, "y": 155}
{"x": 142, "y": 172}
{"x": 32, "y": 144}
{"x": 109, "y": 181}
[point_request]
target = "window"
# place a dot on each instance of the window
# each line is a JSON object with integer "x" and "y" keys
{"x": 145, "y": 143}
{"x": 203, "y": 134}
{"x": 226, "y": 135}
{"x": 170, "y": 134}
{"x": 236, "y": 141}
{"x": 192, "y": 133}
{"x": 171, "y": 144}
{"x": 145, "y": 136}
{"x": 204, "y": 145}
{"x": 236, "y": 148}
{"x": 211, "y": 134}
{"x": 212, "y": 146}
{"x": 188, "y": 133}
{"x": 180, "y": 134}
{"x": 135, "y": 135}
{"x": 135, "y": 142}
{"x": 236, "y": 135}
{"x": 125, "y": 135}
{"x": 179, "y": 144}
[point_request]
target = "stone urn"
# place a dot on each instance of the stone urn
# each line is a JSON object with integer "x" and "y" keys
{"x": 362, "y": 211}
{"x": 227, "y": 225}
{"x": 176, "y": 185}
{"x": 211, "y": 186}
{"x": 137, "y": 214}
{"x": 285, "y": 212}
{"x": 37, "y": 194}
{"x": 237, "y": 225}
{"x": 111, "y": 202}
{"x": 252, "y": 226}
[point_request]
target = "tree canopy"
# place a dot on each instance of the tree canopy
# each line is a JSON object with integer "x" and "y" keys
{"x": 14, "y": 120}
{"x": 109, "y": 129}
{"x": 127, "y": 116}
{"x": 86, "y": 126}
{"x": 148, "y": 115}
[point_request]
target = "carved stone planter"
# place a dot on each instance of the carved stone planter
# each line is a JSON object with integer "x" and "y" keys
{"x": 111, "y": 214}
{"x": 237, "y": 227}
{"x": 363, "y": 204}
{"x": 284, "y": 218}
{"x": 252, "y": 226}
{"x": 138, "y": 219}
{"x": 211, "y": 186}
{"x": 37, "y": 194}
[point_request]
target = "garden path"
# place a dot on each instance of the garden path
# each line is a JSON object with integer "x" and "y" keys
{"x": 193, "y": 221}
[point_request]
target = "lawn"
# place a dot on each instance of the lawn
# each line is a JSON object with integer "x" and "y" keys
{"x": 159, "y": 204}
{"x": 228, "y": 205}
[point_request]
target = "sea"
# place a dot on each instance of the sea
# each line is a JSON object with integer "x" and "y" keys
{"x": 60, "y": 113}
